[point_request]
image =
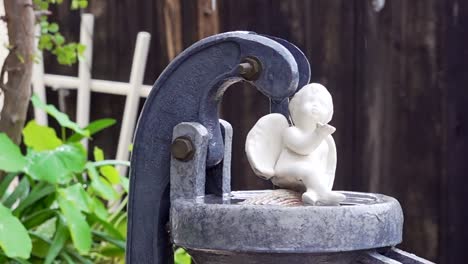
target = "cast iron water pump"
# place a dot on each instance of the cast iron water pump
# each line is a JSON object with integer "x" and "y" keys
{"x": 180, "y": 171}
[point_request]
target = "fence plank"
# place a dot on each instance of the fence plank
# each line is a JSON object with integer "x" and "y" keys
{"x": 172, "y": 27}
{"x": 242, "y": 104}
{"x": 453, "y": 45}
{"x": 399, "y": 114}
{"x": 200, "y": 20}
{"x": 303, "y": 23}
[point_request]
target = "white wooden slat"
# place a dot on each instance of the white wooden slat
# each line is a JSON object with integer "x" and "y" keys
{"x": 84, "y": 72}
{"x": 38, "y": 81}
{"x": 4, "y": 41}
{"x": 133, "y": 98}
{"x": 99, "y": 86}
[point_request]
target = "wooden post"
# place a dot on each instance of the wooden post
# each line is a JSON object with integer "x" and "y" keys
{"x": 18, "y": 66}
{"x": 200, "y": 20}
{"x": 172, "y": 27}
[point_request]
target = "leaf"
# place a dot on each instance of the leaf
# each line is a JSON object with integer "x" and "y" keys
{"x": 60, "y": 238}
{"x": 20, "y": 192}
{"x": 38, "y": 192}
{"x": 77, "y": 225}
{"x": 121, "y": 223}
{"x": 182, "y": 257}
{"x": 61, "y": 118}
{"x": 117, "y": 242}
{"x": 67, "y": 258}
{"x": 78, "y": 196}
{"x": 59, "y": 39}
{"x": 93, "y": 128}
{"x": 5, "y": 183}
{"x": 58, "y": 165}
{"x": 83, "y": 3}
{"x": 98, "y": 154}
{"x": 80, "y": 48}
{"x": 14, "y": 238}
{"x": 112, "y": 251}
{"x": 48, "y": 228}
{"x": 22, "y": 261}
{"x": 53, "y": 27}
{"x": 75, "y": 4}
{"x": 43, "y": 5}
{"x": 39, "y": 217}
{"x": 40, "y": 137}
{"x": 102, "y": 187}
{"x": 125, "y": 183}
{"x": 111, "y": 174}
{"x": 69, "y": 252}
{"x": 11, "y": 159}
{"x": 39, "y": 248}
{"x": 20, "y": 57}
{"x": 109, "y": 228}
{"x": 99, "y": 209}
{"x": 45, "y": 41}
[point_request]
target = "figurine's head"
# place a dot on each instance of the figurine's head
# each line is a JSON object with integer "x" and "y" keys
{"x": 311, "y": 105}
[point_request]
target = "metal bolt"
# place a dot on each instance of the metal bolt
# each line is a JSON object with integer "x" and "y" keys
{"x": 182, "y": 149}
{"x": 250, "y": 68}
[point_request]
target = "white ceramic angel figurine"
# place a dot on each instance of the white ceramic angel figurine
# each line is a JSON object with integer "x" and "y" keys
{"x": 301, "y": 157}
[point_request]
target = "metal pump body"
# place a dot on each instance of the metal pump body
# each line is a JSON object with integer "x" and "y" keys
{"x": 180, "y": 170}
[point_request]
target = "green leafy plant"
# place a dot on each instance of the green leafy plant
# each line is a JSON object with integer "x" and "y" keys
{"x": 58, "y": 212}
{"x": 52, "y": 40}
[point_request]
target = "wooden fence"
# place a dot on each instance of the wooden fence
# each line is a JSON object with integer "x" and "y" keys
{"x": 397, "y": 70}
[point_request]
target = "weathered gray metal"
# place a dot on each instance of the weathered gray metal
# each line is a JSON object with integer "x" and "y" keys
{"x": 180, "y": 117}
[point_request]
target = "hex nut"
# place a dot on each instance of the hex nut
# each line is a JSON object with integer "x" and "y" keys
{"x": 182, "y": 149}
{"x": 250, "y": 68}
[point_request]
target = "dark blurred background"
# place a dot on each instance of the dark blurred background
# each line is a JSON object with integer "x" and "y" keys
{"x": 397, "y": 70}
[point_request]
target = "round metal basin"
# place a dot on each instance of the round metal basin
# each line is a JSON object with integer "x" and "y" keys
{"x": 213, "y": 226}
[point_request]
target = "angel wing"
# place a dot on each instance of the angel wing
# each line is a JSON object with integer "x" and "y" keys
{"x": 331, "y": 161}
{"x": 264, "y": 144}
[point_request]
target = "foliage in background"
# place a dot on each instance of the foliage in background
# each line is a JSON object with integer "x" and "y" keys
{"x": 51, "y": 39}
{"x": 21, "y": 17}
{"x": 58, "y": 213}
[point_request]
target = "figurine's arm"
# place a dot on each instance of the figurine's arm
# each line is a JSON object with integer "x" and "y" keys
{"x": 303, "y": 143}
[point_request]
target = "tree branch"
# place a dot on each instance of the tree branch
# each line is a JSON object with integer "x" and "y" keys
{"x": 20, "y": 18}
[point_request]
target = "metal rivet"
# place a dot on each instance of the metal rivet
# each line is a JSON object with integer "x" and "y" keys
{"x": 250, "y": 68}
{"x": 182, "y": 149}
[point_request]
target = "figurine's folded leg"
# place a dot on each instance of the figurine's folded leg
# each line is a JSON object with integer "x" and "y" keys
{"x": 317, "y": 193}
{"x": 310, "y": 197}
{"x": 331, "y": 198}
{"x": 326, "y": 198}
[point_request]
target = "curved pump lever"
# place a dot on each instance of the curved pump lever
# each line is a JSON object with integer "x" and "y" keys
{"x": 189, "y": 90}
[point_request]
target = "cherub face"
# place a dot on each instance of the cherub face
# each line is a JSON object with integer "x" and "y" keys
{"x": 312, "y": 104}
